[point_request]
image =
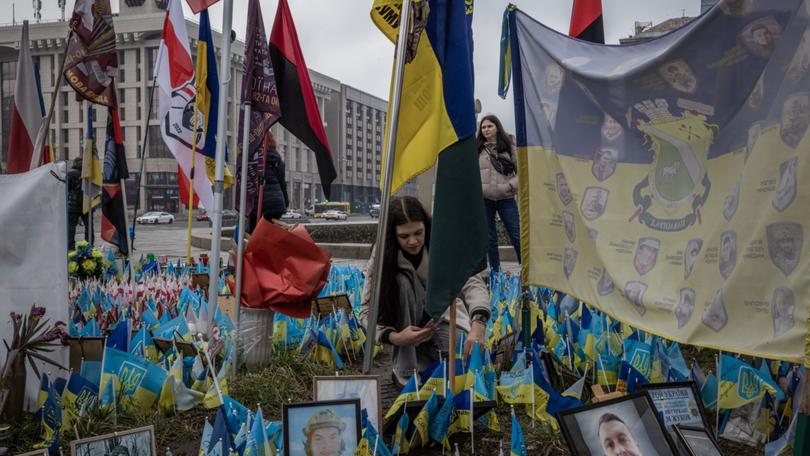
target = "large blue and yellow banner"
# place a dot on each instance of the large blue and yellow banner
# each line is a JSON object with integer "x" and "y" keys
{"x": 659, "y": 180}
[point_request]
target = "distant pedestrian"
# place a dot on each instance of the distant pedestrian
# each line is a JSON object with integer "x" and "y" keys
{"x": 496, "y": 159}
{"x": 274, "y": 197}
{"x": 74, "y": 203}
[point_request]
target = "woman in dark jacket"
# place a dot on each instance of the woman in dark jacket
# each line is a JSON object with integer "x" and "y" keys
{"x": 274, "y": 196}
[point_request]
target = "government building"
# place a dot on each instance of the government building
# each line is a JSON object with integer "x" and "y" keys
{"x": 354, "y": 120}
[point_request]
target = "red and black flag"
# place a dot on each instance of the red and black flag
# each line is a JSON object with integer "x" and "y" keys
{"x": 113, "y": 204}
{"x": 91, "y": 61}
{"x": 299, "y": 109}
{"x": 586, "y": 21}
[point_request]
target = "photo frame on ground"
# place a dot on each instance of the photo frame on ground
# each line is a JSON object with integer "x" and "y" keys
{"x": 321, "y": 427}
{"x": 631, "y": 422}
{"x": 133, "y": 442}
{"x": 697, "y": 441}
{"x": 678, "y": 403}
{"x": 89, "y": 348}
{"x": 325, "y": 305}
{"x": 363, "y": 387}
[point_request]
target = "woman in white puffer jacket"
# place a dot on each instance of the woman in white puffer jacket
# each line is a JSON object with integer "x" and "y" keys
{"x": 499, "y": 181}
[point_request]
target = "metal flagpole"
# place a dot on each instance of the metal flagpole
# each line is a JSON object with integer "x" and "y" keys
{"x": 390, "y": 144}
{"x": 45, "y": 126}
{"x": 143, "y": 149}
{"x": 225, "y": 71}
{"x": 240, "y": 249}
{"x": 191, "y": 182}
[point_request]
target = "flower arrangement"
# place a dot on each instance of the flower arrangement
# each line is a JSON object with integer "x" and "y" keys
{"x": 31, "y": 338}
{"x": 85, "y": 262}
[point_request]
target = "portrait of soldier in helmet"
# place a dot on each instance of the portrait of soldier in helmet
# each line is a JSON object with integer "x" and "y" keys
{"x": 324, "y": 434}
{"x": 322, "y": 428}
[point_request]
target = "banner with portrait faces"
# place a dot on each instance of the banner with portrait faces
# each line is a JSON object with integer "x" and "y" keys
{"x": 660, "y": 180}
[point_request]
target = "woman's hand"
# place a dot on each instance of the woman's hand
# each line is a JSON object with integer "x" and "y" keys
{"x": 477, "y": 332}
{"x": 412, "y": 335}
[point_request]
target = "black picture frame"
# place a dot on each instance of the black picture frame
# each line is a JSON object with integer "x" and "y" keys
{"x": 642, "y": 417}
{"x": 321, "y": 391}
{"x": 697, "y": 441}
{"x": 99, "y": 445}
{"x": 292, "y": 424}
{"x": 654, "y": 388}
{"x": 325, "y": 305}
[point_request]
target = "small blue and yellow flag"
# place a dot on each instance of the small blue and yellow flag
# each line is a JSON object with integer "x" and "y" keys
{"x": 740, "y": 384}
{"x": 400, "y": 443}
{"x": 409, "y": 393}
{"x": 138, "y": 383}
{"x": 421, "y": 424}
{"x": 518, "y": 446}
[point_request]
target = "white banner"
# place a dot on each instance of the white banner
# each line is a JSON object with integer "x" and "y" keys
{"x": 33, "y": 255}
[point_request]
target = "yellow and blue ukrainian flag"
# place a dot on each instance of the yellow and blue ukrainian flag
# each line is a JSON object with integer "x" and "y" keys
{"x": 51, "y": 421}
{"x": 400, "y": 443}
{"x": 437, "y": 121}
{"x": 207, "y": 84}
{"x": 79, "y": 394}
{"x": 421, "y": 424}
{"x": 409, "y": 393}
{"x": 741, "y": 384}
{"x": 518, "y": 446}
{"x": 138, "y": 383}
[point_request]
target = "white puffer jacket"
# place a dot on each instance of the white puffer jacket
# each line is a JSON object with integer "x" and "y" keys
{"x": 495, "y": 185}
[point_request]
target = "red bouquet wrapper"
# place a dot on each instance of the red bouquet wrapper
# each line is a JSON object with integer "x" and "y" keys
{"x": 283, "y": 270}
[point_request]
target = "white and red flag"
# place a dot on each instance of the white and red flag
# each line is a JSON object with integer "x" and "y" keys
{"x": 26, "y": 113}
{"x": 175, "y": 78}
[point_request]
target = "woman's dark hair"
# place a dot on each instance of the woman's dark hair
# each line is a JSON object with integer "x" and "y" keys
{"x": 401, "y": 210}
{"x": 503, "y": 143}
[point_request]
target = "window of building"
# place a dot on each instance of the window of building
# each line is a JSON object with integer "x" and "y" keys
{"x": 138, "y": 64}
{"x": 157, "y": 148}
{"x": 151, "y": 57}
{"x": 121, "y": 67}
{"x": 348, "y": 172}
{"x": 155, "y": 102}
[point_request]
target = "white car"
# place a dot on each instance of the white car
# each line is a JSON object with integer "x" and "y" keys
{"x": 334, "y": 215}
{"x": 291, "y": 215}
{"x": 155, "y": 217}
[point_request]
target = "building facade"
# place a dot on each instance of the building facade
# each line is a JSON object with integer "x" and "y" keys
{"x": 138, "y": 27}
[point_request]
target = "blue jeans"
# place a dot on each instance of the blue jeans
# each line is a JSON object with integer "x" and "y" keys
{"x": 508, "y": 210}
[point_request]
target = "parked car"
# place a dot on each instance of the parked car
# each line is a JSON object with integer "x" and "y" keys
{"x": 155, "y": 217}
{"x": 291, "y": 215}
{"x": 202, "y": 217}
{"x": 374, "y": 212}
{"x": 229, "y": 218}
{"x": 334, "y": 215}
{"x": 310, "y": 211}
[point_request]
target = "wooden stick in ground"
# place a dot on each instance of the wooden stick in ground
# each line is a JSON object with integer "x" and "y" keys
{"x": 451, "y": 358}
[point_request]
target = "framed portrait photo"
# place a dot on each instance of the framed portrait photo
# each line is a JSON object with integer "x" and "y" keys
{"x": 628, "y": 424}
{"x": 363, "y": 387}
{"x": 132, "y": 442}
{"x": 323, "y": 427}
{"x": 678, "y": 403}
{"x": 697, "y": 441}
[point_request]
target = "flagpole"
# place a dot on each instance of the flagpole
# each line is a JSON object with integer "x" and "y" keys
{"x": 719, "y": 364}
{"x": 45, "y": 126}
{"x": 390, "y": 144}
{"x": 143, "y": 150}
{"x": 225, "y": 71}
{"x": 240, "y": 246}
{"x": 191, "y": 182}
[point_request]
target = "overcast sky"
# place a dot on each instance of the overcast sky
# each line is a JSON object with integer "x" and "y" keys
{"x": 339, "y": 40}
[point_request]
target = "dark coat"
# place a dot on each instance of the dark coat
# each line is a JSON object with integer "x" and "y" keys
{"x": 274, "y": 198}
{"x": 74, "y": 184}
